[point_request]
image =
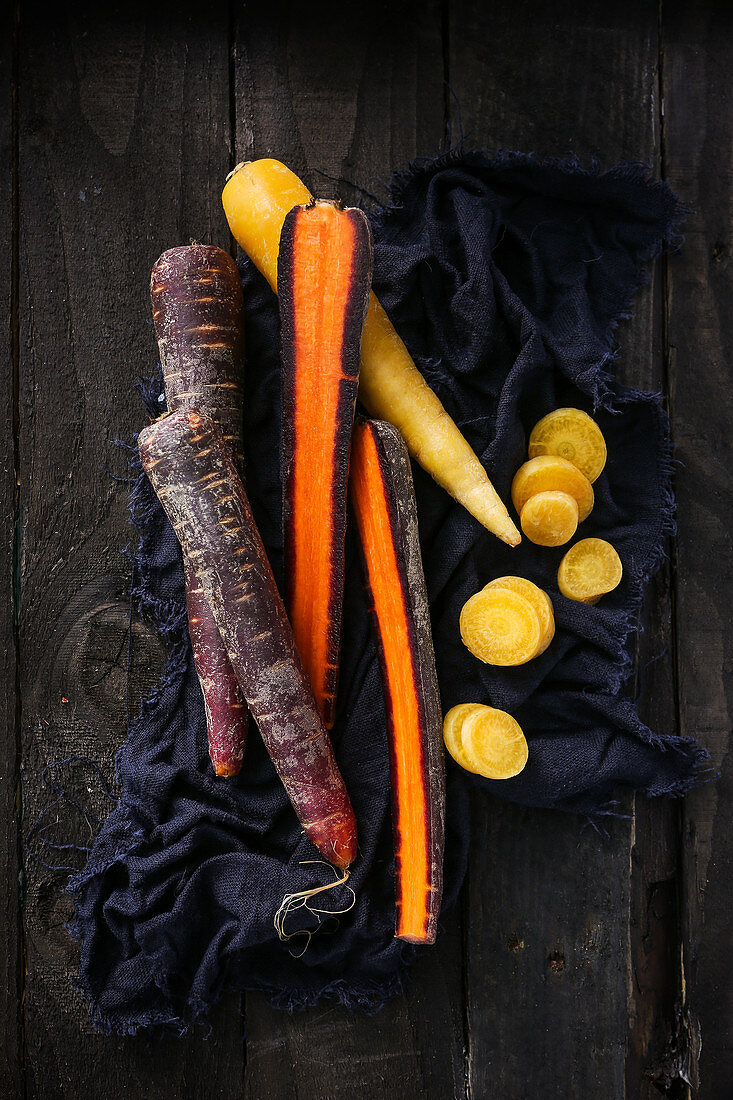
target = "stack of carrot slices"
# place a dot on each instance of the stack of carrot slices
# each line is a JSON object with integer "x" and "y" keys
{"x": 553, "y": 491}
{"x": 510, "y": 621}
{"x": 485, "y": 741}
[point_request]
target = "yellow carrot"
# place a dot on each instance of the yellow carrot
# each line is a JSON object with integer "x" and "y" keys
{"x": 256, "y": 198}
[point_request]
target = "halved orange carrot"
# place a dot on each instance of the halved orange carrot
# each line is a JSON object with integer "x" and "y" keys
{"x": 384, "y": 503}
{"x": 324, "y": 277}
{"x": 257, "y": 196}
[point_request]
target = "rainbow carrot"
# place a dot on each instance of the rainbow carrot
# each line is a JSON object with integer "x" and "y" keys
{"x": 198, "y": 314}
{"x": 191, "y": 469}
{"x": 256, "y": 198}
{"x": 384, "y": 503}
{"x": 324, "y": 275}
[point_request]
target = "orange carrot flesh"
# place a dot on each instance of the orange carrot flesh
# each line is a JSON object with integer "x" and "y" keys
{"x": 323, "y": 287}
{"x": 379, "y": 487}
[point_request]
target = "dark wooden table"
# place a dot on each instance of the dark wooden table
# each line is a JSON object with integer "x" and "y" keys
{"x": 575, "y": 967}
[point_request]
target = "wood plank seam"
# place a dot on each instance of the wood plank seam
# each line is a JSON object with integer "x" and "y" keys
{"x": 17, "y": 534}
{"x": 679, "y": 1021}
{"x": 697, "y": 61}
{"x": 447, "y": 93}
{"x": 449, "y": 103}
{"x": 232, "y": 73}
{"x": 683, "y": 1049}
{"x": 655, "y": 977}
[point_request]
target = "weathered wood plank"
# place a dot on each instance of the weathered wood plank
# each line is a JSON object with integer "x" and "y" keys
{"x": 549, "y": 952}
{"x": 351, "y": 96}
{"x": 697, "y": 58}
{"x": 10, "y": 959}
{"x": 541, "y": 79}
{"x": 124, "y": 139}
{"x": 654, "y": 939}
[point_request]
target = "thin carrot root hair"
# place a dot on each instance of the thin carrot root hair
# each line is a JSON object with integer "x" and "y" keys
{"x": 300, "y": 899}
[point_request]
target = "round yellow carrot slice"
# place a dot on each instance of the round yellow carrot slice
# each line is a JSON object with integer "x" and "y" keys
{"x": 548, "y": 472}
{"x": 452, "y": 724}
{"x": 573, "y": 435}
{"x": 493, "y": 744}
{"x": 550, "y": 518}
{"x": 500, "y": 627}
{"x": 540, "y": 601}
{"x": 589, "y": 570}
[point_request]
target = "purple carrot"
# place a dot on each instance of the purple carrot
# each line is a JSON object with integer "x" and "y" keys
{"x": 198, "y": 313}
{"x": 194, "y": 475}
{"x": 386, "y": 515}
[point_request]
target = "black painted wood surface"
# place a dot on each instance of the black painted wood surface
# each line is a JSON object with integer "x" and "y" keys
{"x": 574, "y": 966}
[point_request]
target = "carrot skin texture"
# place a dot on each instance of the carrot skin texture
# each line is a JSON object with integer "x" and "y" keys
{"x": 193, "y": 473}
{"x": 198, "y": 314}
{"x": 256, "y": 198}
{"x": 324, "y": 276}
{"x": 384, "y": 503}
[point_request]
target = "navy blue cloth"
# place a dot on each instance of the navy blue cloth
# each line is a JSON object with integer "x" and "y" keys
{"x": 506, "y": 279}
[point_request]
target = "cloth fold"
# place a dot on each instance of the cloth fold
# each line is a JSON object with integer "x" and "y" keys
{"x": 506, "y": 277}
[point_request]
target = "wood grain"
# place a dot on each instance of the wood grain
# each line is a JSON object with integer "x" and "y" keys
{"x": 10, "y": 944}
{"x": 565, "y": 953}
{"x": 655, "y": 976}
{"x": 124, "y": 138}
{"x": 550, "y": 79}
{"x": 548, "y": 918}
{"x": 351, "y": 98}
{"x": 697, "y": 56}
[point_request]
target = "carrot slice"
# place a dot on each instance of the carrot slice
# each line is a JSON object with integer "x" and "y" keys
{"x": 589, "y": 570}
{"x": 500, "y": 627}
{"x": 571, "y": 434}
{"x": 550, "y": 518}
{"x": 493, "y": 744}
{"x": 540, "y": 601}
{"x": 384, "y": 504}
{"x": 548, "y": 472}
{"x": 452, "y": 724}
{"x": 324, "y": 276}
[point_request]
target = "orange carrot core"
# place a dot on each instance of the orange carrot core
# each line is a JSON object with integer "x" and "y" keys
{"x": 371, "y": 503}
{"x": 323, "y": 248}
{"x": 324, "y": 273}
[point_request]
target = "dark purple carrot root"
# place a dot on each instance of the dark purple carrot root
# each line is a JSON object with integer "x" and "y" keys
{"x": 198, "y": 313}
{"x": 323, "y": 280}
{"x": 384, "y": 503}
{"x": 191, "y": 470}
